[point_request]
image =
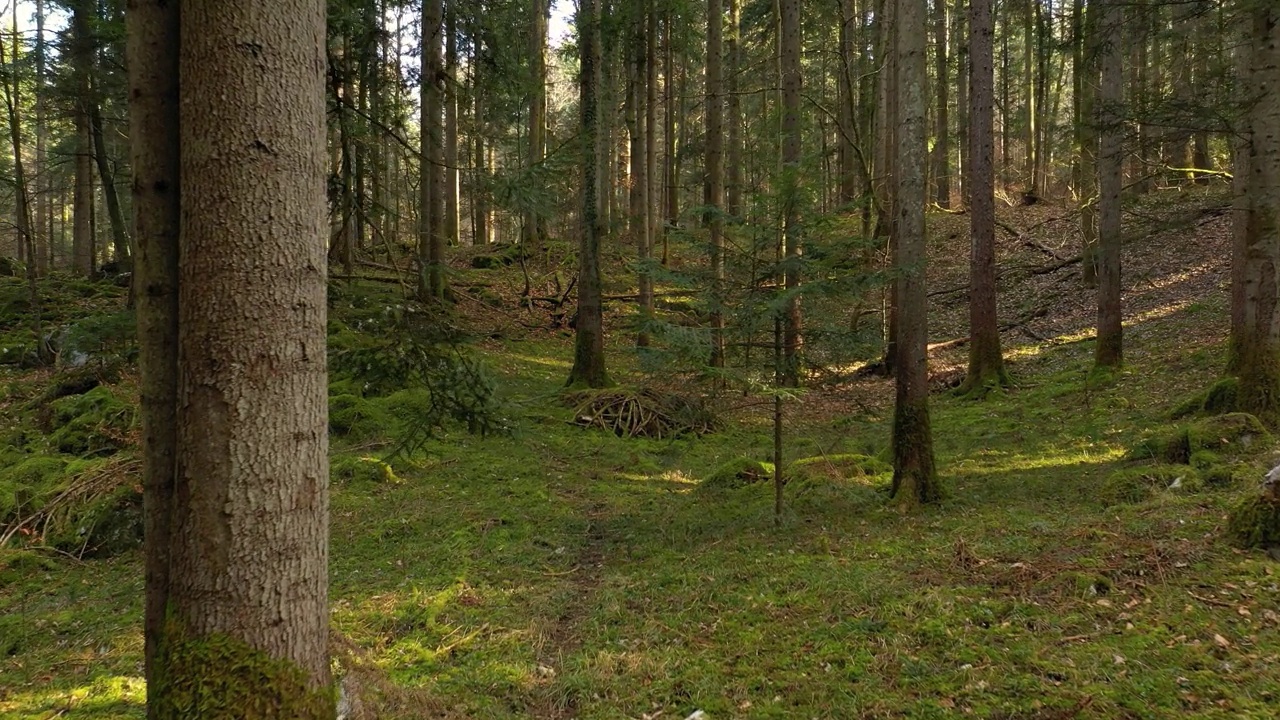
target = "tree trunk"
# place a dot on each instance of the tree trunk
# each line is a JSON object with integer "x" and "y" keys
{"x": 986, "y": 363}
{"x": 451, "y": 228}
{"x": 431, "y": 281}
{"x": 715, "y": 173}
{"x": 1259, "y": 342}
{"x": 1109, "y": 350}
{"x": 789, "y": 50}
{"x": 734, "y": 120}
{"x": 533, "y": 231}
{"x": 82, "y": 252}
{"x": 42, "y": 231}
{"x": 151, "y": 32}
{"x": 962, "y": 103}
{"x": 886, "y": 167}
{"x": 1086, "y": 79}
{"x": 644, "y": 251}
{"x": 638, "y": 128}
{"x": 942, "y": 137}
{"x": 914, "y": 476}
{"x": 588, "y": 353}
{"x": 670, "y": 160}
{"x": 119, "y": 234}
{"x": 849, "y": 165}
{"x": 246, "y": 622}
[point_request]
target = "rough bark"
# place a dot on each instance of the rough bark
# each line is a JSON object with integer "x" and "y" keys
{"x": 451, "y": 226}
{"x": 1109, "y": 348}
{"x": 246, "y": 628}
{"x": 588, "y": 353}
{"x": 151, "y": 31}
{"x": 644, "y": 251}
{"x": 1258, "y": 344}
{"x": 986, "y": 363}
{"x": 733, "y": 189}
{"x": 914, "y": 474}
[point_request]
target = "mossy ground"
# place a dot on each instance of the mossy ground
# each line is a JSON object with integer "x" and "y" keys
{"x": 562, "y": 572}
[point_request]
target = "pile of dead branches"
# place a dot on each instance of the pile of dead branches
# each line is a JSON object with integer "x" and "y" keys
{"x": 643, "y": 412}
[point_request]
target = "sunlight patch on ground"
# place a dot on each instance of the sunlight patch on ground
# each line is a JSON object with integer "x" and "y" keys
{"x": 994, "y": 461}
{"x": 548, "y": 362}
{"x": 107, "y": 696}
{"x": 1157, "y": 313}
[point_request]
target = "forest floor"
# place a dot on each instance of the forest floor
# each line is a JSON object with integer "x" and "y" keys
{"x": 563, "y": 572}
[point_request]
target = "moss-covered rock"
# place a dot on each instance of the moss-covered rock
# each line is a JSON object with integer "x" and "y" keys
{"x": 1133, "y": 485}
{"x": 1206, "y": 442}
{"x": 106, "y": 525}
{"x": 356, "y": 418}
{"x": 737, "y": 473}
{"x": 26, "y": 485}
{"x": 1220, "y": 398}
{"x": 1255, "y": 522}
{"x": 1231, "y": 434}
{"x": 96, "y": 422}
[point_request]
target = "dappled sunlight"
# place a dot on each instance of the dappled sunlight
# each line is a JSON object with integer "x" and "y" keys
{"x": 544, "y": 361}
{"x": 994, "y": 461}
{"x": 1159, "y": 313}
{"x": 110, "y": 696}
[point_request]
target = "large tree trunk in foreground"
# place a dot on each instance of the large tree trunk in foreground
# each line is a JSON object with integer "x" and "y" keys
{"x": 986, "y": 364}
{"x": 588, "y": 352}
{"x": 914, "y": 476}
{"x": 1258, "y": 343}
{"x": 246, "y": 628}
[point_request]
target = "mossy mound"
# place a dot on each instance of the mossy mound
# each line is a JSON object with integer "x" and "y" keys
{"x": 89, "y": 508}
{"x": 837, "y": 468}
{"x": 102, "y": 526}
{"x": 1220, "y": 398}
{"x": 1205, "y": 442}
{"x": 738, "y": 473}
{"x": 95, "y": 423}
{"x": 356, "y": 418}
{"x": 1255, "y": 522}
{"x": 26, "y": 485}
{"x": 498, "y": 256}
{"x": 1134, "y": 485}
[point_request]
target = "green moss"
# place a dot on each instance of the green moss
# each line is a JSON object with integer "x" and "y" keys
{"x": 1204, "y": 459}
{"x": 838, "y": 467}
{"x": 1222, "y": 397}
{"x": 27, "y": 485}
{"x": 1133, "y": 485}
{"x": 356, "y": 418}
{"x": 1230, "y": 434}
{"x": 1255, "y": 522}
{"x": 737, "y": 473}
{"x": 1220, "y": 476}
{"x": 93, "y": 423}
{"x": 106, "y": 525}
{"x": 218, "y": 676}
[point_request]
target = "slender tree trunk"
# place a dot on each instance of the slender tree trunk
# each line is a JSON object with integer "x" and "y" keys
{"x": 588, "y": 355}
{"x": 1086, "y": 80}
{"x": 986, "y": 363}
{"x": 151, "y": 31}
{"x": 887, "y": 168}
{"x": 82, "y": 56}
{"x": 791, "y": 79}
{"x": 849, "y": 165}
{"x": 670, "y": 160}
{"x": 644, "y": 251}
{"x": 962, "y": 42}
{"x": 119, "y": 233}
{"x": 246, "y": 618}
{"x": 1110, "y": 168}
{"x": 637, "y": 126}
{"x": 914, "y": 475}
{"x": 42, "y": 231}
{"x": 1241, "y": 147}
{"x": 533, "y": 231}
{"x": 451, "y": 227}
{"x": 715, "y": 173}
{"x": 1258, "y": 344}
{"x": 942, "y": 137}
{"x": 734, "y": 106}
{"x": 431, "y": 284}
